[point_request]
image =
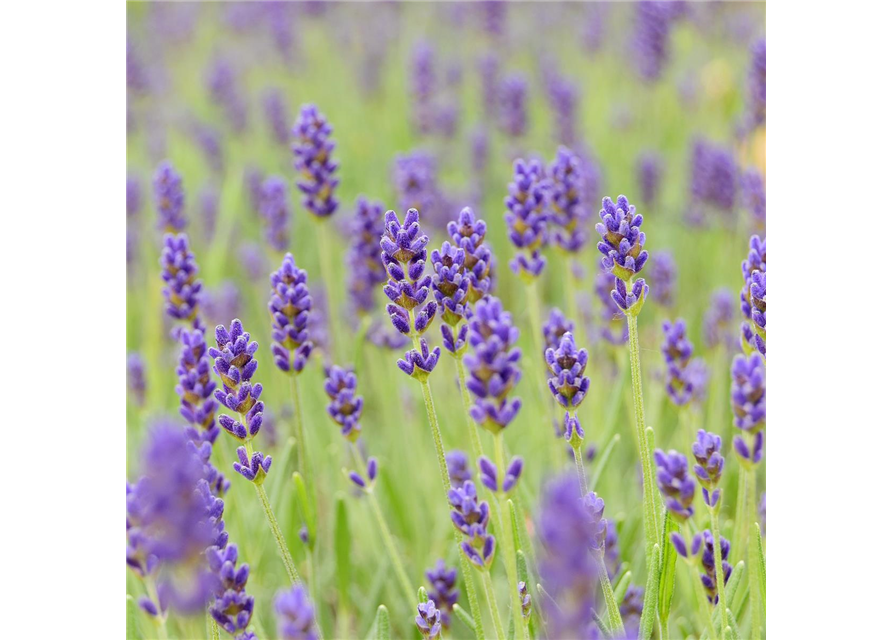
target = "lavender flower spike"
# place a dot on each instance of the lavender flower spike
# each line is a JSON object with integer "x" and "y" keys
{"x": 567, "y": 365}
{"x": 419, "y": 364}
{"x": 195, "y": 387}
{"x": 526, "y": 217}
{"x": 365, "y": 272}
{"x": 295, "y": 617}
{"x": 428, "y": 621}
{"x": 444, "y": 593}
{"x": 663, "y": 280}
{"x": 686, "y": 378}
{"x": 169, "y": 198}
{"x": 622, "y": 246}
{"x": 457, "y": 466}
{"x": 235, "y": 364}
{"x": 707, "y": 450}
{"x": 675, "y": 484}
{"x": 749, "y": 404}
{"x": 313, "y": 160}
{"x": 290, "y": 306}
{"x": 468, "y": 234}
{"x": 555, "y": 327}
{"x": 471, "y": 518}
{"x": 276, "y": 212}
{"x": 231, "y": 607}
{"x": 345, "y": 407}
{"x": 567, "y": 208}
{"x": 182, "y": 290}
{"x": 708, "y": 561}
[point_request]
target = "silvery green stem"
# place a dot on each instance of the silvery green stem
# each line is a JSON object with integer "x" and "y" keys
{"x": 212, "y": 628}
{"x": 581, "y": 473}
{"x": 649, "y": 483}
{"x": 717, "y": 561}
{"x": 614, "y": 618}
{"x": 753, "y": 557}
{"x": 491, "y": 602}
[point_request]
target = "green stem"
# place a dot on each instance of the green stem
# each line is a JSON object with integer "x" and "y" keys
{"x": 664, "y": 628}
{"x": 385, "y": 531}
{"x": 720, "y": 574}
{"x": 581, "y": 472}
{"x": 648, "y": 481}
{"x": 753, "y": 559}
{"x": 491, "y": 602}
{"x": 701, "y": 598}
{"x": 614, "y": 617}
{"x": 299, "y": 424}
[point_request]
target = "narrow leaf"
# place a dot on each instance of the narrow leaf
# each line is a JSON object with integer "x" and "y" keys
{"x": 342, "y": 548}
{"x": 762, "y": 565}
{"x": 306, "y": 510}
{"x": 622, "y": 586}
{"x": 603, "y": 460}
{"x": 423, "y": 595}
{"x": 464, "y": 616}
{"x": 646, "y": 624}
{"x": 382, "y": 623}
{"x": 667, "y": 569}
{"x": 602, "y": 626}
{"x": 516, "y": 533}
{"x": 132, "y": 633}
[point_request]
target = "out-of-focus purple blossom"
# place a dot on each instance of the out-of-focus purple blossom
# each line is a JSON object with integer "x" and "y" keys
{"x": 554, "y": 328}
{"x": 566, "y": 212}
{"x": 231, "y": 607}
{"x": 385, "y": 336}
{"x": 136, "y": 377}
{"x": 223, "y": 87}
{"x": 564, "y": 98}
{"x": 707, "y": 450}
{"x": 457, "y": 466}
{"x": 346, "y": 406}
{"x": 753, "y": 194}
{"x": 749, "y": 403}
{"x": 651, "y": 36}
{"x": 195, "y": 386}
{"x": 290, "y": 306}
{"x": 480, "y": 151}
{"x": 428, "y": 621}
{"x": 513, "y": 105}
{"x": 209, "y": 143}
{"x": 488, "y": 66}
{"x": 471, "y": 517}
{"x": 415, "y": 180}
{"x": 663, "y": 279}
{"x": 314, "y": 163}
{"x": 718, "y": 328}
{"x": 422, "y": 80}
{"x": 446, "y": 118}
{"x": 443, "y": 590}
{"x": 276, "y": 212}
{"x": 281, "y": 24}
{"x": 613, "y": 326}
{"x": 568, "y": 569}
{"x": 631, "y": 609}
{"x": 404, "y": 252}
{"x": 714, "y": 177}
{"x": 254, "y": 261}
{"x": 209, "y": 208}
{"x": 276, "y": 114}
{"x": 593, "y": 27}
{"x": 708, "y": 561}
{"x": 169, "y": 198}
{"x": 757, "y": 83}
{"x": 685, "y": 379}
{"x": 495, "y": 16}
{"x": 182, "y": 288}
{"x": 295, "y": 616}
{"x": 490, "y": 474}
{"x": 567, "y": 364}
{"x": 223, "y": 302}
{"x": 137, "y": 75}
{"x": 592, "y": 181}
{"x": 234, "y": 362}
{"x": 527, "y": 217}
{"x": 365, "y": 271}
{"x": 612, "y": 548}
{"x": 493, "y": 365}
{"x": 134, "y": 196}
{"x": 650, "y": 171}
{"x": 254, "y": 184}
{"x": 675, "y": 483}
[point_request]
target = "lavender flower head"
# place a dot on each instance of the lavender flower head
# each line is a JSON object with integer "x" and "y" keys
{"x": 346, "y": 406}
{"x": 275, "y": 110}
{"x": 422, "y": 78}
{"x": 567, "y": 364}
{"x": 290, "y": 306}
{"x": 707, "y": 450}
{"x": 676, "y": 485}
{"x": 622, "y": 246}
{"x": 420, "y": 363}
{"x": 451, "y": 284}
{"x": 275, "y": 210}
{"x": 444, "y": 592}
{"x": 457, "y": 466}
{"x": 663, "y": 279}
{"x": 554, "y": 328}
{"x": 404, "y": 251}
{"x": 136, "y": 377}
{"x": 651, "y": 36}
{"x": 313, "y": 160}
{"x": 493, "y": 365}
{"x": 708, "y": 561}
{"x": 169, "y": 198}
{"x": 631, "y": 608}
{"x": 650, "y": 170}
{"x": 295, "y": 614}
{"x": 230, "y": 607}
{"x": 415, "y": 179}
{"x": 718, "y": 329}
{"x": 468, "y": 234}
{"x": 223, "y": 86}
{"x": 471, "y": 517}
{"x": 753, "y": 194}
{"x": 428, "y": 621}
{"x": 567, "y": 207}
{"x": 195, "y": 386}
{"x": 753, "y": 330}
{"x": 686, "y": 378}
{"x": 182, "y": 290}
{"x": 564, "y": 98}
{"x": 527, "y": 217}
{"x": 365, "y": 271}
{"x": 757, "y": 83}
{"x": 235, "y": 364}
{"x": 714, "y": 177}
{"x": 749, "y": 404}
{"x": 513, "y": 105}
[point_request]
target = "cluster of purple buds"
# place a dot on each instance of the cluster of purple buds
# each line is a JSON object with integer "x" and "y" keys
{"x": 422, "y": 77}
{"x": 223, "y": 87}
{"x": 624, "y": 254}
{"x": 526, "y": 601}
{"x": 467, "y": 234}
{"x": 753, "y": 194}
{"x": 708, "y": 561}
{"x": 490, "y": 474}
{"x": 757, "y": 83}
{"x": 651, "y": 38}
{"x": 444, "y": 593}
{"x": 365, "y": 272}
{"x": 295, "y": 617}
{"x": 714, "y": 176}
{"x": 179, "y": 271}
{"x": 686, "y": 378}
{"x": 419, "y": 364}
{"x": 707, "y": 450}
{"x": 451, "y": 288}
{"x": 231, "y": 607}
{"x": 718, "y": 329}
{"x": 290, "y": 306}
{"x": 663, "y": 279}
{"x": 136, "y": 377}
{"x": 471, "y": 517}
{"x": 195, "y": 387}
{"x": 613, "y": 327}
{"x": 567, "y": 364}
{"x": 429, "y": 621}
{"x": 753, "y": 329}
{"x": 371, "y": 473}
{"x": 313, "y": 160}
{"x": 567, "y": 206}
{"x": 404, "y": 251}
{"x": 457, "y": 467}
{"x": 554, "y": 328}
{"x": 564, "y": 98}
{"x": 169, "y": 198}
{"x": 275, "y": 112}
{"x": 749, "y": 404}
{"x": 527, "y": 217}
{"x": 676, "y": 485}
{"x": 276, "y": 212}
{"x": 493, "y": 365}
{"x": 346, "y": 406}
{"x": 513, "y": 105}
{"x": 650, "y": 169}
{"x": 415, "y": 180}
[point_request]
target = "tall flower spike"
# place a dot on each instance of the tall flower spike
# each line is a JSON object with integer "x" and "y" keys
{"x": 708, "y": 561}
{"x": 443, "y": 590}
{"x": 419, "y": 365}
{"x": 471, "y": 517}
{"x": 622, "y": 242}
{"x": 663, "y": 279}
{"x": 675, "y": 484}
{"x": 686, "y": 378}
{"x": 230, "y": 607}
{"x": 513, "y": 106}
{"x": 182, "y": 288}
{"x": 566, "y": 205}
{"x": 404, "y": 251}
{"x": 276, "y": 211}
{"x": 290, "y": 306}
{"x": 457, "y": 466}
{"x": 493, "y": 365}
{"x": 313, "y": 160}
{"x": 235, "y": 364}
{"x": 717, "y": 327}
{"x": 707, "y": 450}
{"x": 346, "y": 406}
{"x": 295, "y": 614}
{"x": 527, "y": 217}
{"x": 567, "y": 365}
{"x": 451, "y": 284}
{"x": 428, "y": 621}
{"x": 555, "y": 327}
{"x": 365, "y": 272}
{"x": 749, "y": 404}
{"x": 468, "y": 234}
{"x": 195, "y": 386}
{"x": 169, "y": 198}
{"x": 755, "y": 262}
{"x": 649, "y": 168}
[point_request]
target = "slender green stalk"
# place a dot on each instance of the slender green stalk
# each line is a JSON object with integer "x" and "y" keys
{"x": 581, "y": 472}
{"x": 650, "y": 490}
{"x": 720, "y": 575}
{"x": 697, "y": 585}
{"x": 664, "y": 628}
{"x": 753, "y": 558}
{"x": 616, "y": 621}
{"x": 491, "y": 602}
{"x": 299, "y": 425}
{"x": 386, "y": 534}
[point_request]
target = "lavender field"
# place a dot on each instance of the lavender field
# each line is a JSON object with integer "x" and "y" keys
{"x": 400, "y": 361}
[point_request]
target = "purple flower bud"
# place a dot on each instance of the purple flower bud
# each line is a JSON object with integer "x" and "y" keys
{"x": 753, "y": 194}
{"x": 489, "y": 474}
{"x": 314, "y": 163}
{"x": 290, "y": 306}
{"x": 631, "y": 301}
{"x": 718, "y": 319}
{"x": 572, "y": 428}
{"x": 527, "y": 216}
{"x": 651, "y": 37}
{"x": 631, "y": 608}
{"x": 275, "y": 110}
{"x": 686, "y": 378}
{"x": 428, "y": 620}
{"x": 714, "y": 177}
{"x": 195, "y": 386}
{"x": 136, "y": 377}
{"x": 422, "y": 79}
{"x": 230, "y": 607}
{"x": 346, "y": 406}
{"x": 169, "y": 198}
{"x": 526, "y": 602}
{"x": 622, "y": 242}
{"x": 471, "y": 518}
{"x": 564, "y": 98}
{"x": 708, "y": 561}
{"x": 419, "y": 365}
{"x": 372, "y": 469}
{"x": 512, "y": 474}
{"x": 707, "y": 450}
{"x": 357, "y": 479}
{"x": 415, "y": 180}
{"x": 555, "y": 327}
{"x": 443, "y": 590}
{"x": 749, "y": 393}
{"x": 457, "y": 466}
{"x": 295, "y": 614}
{"x": 567, "y": 365}
{"x": 613, "y": 327}
{"x": 254, "y": 468}
{"x": 675, "y": 484}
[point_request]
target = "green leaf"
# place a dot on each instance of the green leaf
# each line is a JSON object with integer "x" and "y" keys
{"x": 342, "y": 548}
{"x": 464, "y": 616}
{"x": 667, "y": 569}
{"x": 652, "y": 586}
{"x": 603, "y": 460}
{"x": 602, "y": 626}
{"x": 132, "y": 633}
{"x": 622, "y": 586}
{"x": 382, "y": 624}
{"x": 762, "y": 565}
{"x": 516, "y": 533}
{"x": 307, "y": 512}
{"x": 423, "y": 595}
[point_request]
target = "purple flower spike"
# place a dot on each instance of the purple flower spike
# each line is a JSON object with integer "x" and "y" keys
{"x": 290, "y": 306}
{"x": 275, "y": 110}
{"x": 567, "y": 365}
{"x": 567, "y": 208}
{"x": 423, "y": 85}
{"x": 295, "y": 614}
{"x": 651, "y": 37}
{"x": 235, "y": 364}
{"x": 650, "y": 169}
{"x": 346, "y": 406}
{"x": 419, "y": 365}
{"x": 686, "y": 378}
{"x": 182, "y": 288}
{"x": 493, "y": 365}
{"x": 255, "y": 468}
{"x": 749, "y": 393}
{"x": 513, "y": 106}
{"x": 136, "y": 377}
{"x": 714, "y": 179}
{"x": 195, "y": 387}
{"x": 230, "y": 607}
{"x": 468, "y": 234}
{"x": 225, "y": 90}
{"x": 365, "y": 272}
{"x": 753, "y": 194}
{"x": 357, "y": 479}
{"x": 275, "y": 210}
{"x": 169, "y": 198}
{"x": 675, "y": 484}
{"x": 663, "y": 279}
{"x": 471, "y": 518}
{"x": 527, "y": 217}
{"x": 718, "y": 329}
{"x": 707, "y": 450}
{"x": 415, "y": 179}
{"x": 372, "y": 469}
{"x": 313, "y": 160}
{"x": 572, "y": 429}
{"x": 443, "y": 590}
{"x": 457, "y": 465}
{"x": 428, "y": 620}
{"x": 555, "y": 327}
{"x": 708, "y": 561}
{"x": 630, "y": 302}
{"x": 757, "y": 83}
{"x": 451, "y": 284}
{"x": 622, "y": 242}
